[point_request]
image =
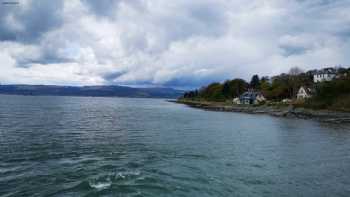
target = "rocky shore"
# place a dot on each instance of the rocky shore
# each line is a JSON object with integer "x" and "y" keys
{"x": 280, "y": 111}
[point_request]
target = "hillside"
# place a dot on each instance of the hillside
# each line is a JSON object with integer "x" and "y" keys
{"x": 333, "y": 94}
{"x": 103, "y": 91}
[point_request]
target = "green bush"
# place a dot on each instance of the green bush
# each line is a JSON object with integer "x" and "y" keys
{"x": 342, "y": 103}
{"x": 331, "y": 95}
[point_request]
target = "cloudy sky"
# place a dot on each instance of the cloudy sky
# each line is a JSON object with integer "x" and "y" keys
{"x": 178, "y": 43}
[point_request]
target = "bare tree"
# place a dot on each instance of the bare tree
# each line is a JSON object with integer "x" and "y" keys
{"x": 295, "y": 71}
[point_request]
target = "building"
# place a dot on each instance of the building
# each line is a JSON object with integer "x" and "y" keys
{"x": 326, "y": 74}
{"x": 251, "y": 97}
{"x": 236, "y": 101}
{"x": 304, "y": 93}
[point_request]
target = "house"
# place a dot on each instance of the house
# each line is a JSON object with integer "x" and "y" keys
{"x": 304, "y": 93}
{"x": 236, "y": 101}
{"x": 251, "y": 97}
{"x": 326, "y": 74}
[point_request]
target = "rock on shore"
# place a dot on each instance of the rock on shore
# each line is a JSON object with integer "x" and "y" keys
{"x": 280, "y": 111}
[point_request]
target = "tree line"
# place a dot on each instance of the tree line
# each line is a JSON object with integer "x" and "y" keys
{"x": 334, "y": 94}
{"x": 276, "y": 88}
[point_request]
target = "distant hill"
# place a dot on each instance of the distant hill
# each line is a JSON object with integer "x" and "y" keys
{"x": 97, "y": 91}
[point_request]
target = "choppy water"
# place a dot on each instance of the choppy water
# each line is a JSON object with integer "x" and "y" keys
{"x": 71, "y": 146}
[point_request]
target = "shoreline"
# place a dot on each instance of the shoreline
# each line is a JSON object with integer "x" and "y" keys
{"x": 277, "y": 111}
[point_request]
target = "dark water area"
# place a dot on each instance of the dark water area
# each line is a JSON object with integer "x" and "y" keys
{"x": 84, "y": 146}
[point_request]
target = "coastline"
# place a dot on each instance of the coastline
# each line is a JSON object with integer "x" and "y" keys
{"x": 278, "y": 111}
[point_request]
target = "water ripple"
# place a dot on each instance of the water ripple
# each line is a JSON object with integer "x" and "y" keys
{"x": 71, "y": 146}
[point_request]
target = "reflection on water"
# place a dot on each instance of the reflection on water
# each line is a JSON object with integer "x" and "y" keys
{"x": 72, "y": 146}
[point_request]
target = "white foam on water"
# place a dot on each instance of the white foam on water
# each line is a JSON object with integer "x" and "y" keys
{"x": 126, "y": 174}
{"x": 100, "y": 185}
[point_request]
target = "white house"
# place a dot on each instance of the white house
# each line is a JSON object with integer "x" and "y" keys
{"x": 326, "y": 74}
{"x": 236, "y": 101}
{"x": 304, "y": 93}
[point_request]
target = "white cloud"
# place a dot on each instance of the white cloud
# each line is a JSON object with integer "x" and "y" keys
{"x": 177, "y": 43}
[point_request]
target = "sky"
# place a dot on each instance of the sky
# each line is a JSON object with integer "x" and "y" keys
{"x": 181, "y": 44}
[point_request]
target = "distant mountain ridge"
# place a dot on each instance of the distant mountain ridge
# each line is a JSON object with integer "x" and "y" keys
{"x": 95, "y": 91}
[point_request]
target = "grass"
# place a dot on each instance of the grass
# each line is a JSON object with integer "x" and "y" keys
{"x": 341, "y": 103}
{"x": 338, "y": 103}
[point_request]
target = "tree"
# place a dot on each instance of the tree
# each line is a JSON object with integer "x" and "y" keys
{"x": 294, "y": 71}
{"x": 226, "y": 90}
{"x": 234, "y": 88}
{"x": 333, "y": 94}
{"x": 296, "y": 75}
{"x": 238, "y": 87}
{"x": 265, "y": 85}
{"x": 278, "y": 89}
{"x": 265, "y": 79}
{"x": 255, "y": 82}
{"x": 213, "y": 92}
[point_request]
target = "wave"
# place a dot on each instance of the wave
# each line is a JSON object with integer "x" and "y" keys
{"x": 100, "y": 185}
{"x": 127, "y": 174}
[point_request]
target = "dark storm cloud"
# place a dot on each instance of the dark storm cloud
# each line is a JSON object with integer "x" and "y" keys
{"x": 191, "y": 82}
{"x": 182, "y": 22}
{"x": 113, "y": 75}
{"x": 207, "y": 19}
{"x": 293, "y": 50}
{"x": 107, "y": 8}
{"x": 102, "y": 7}
{"x": 49, "y": 59}
{"x": 27, "y": 23}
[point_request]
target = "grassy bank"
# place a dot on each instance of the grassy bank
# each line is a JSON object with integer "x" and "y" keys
{"x": 273, "y": 109}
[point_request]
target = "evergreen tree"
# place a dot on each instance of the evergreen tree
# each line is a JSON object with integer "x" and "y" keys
{"x": 255, "y": 82}
{"x": 226, "y": 90}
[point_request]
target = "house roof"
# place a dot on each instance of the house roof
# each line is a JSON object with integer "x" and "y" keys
{"x": 326, "y": 71}
{"x": 251, "y": 94}
{"x": 308, "y": 90}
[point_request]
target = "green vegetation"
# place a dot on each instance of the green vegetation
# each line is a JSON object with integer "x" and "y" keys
{"x": 334, "y": 94}
{"x": 219, "y": 92}
{"x": 277, "y": 88}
